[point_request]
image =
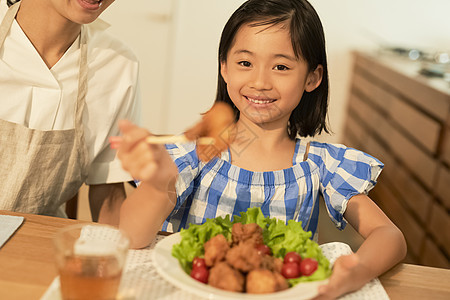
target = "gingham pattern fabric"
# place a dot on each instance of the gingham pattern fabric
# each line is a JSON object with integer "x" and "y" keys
{"x": 218, "y": 188}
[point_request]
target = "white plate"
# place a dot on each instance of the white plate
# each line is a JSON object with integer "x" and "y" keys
{"x": 169, "y": 268}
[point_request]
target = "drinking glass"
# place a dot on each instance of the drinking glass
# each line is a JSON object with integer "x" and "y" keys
{"x": 90, "y": 260}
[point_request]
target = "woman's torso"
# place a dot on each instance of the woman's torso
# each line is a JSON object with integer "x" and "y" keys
{"x": 43, "y": 142}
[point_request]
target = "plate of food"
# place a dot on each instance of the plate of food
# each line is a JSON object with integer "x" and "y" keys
{"x": 251, "y": 257}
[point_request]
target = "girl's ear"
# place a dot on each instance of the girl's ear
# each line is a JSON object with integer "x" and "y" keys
{"x": 314, "y": 79}
{"x": 224, "y": 71}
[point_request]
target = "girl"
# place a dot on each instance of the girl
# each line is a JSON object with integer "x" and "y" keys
{"x": 273, "y": 71}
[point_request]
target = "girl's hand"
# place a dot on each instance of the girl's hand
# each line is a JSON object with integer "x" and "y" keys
{"x": 146, "y": 162}
{"x": 345, "y": 278}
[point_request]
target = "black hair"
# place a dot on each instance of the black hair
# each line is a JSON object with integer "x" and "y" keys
{"x": 308, "y": 42}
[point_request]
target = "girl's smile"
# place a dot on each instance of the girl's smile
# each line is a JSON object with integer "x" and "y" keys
{"x": 260, "y": 100}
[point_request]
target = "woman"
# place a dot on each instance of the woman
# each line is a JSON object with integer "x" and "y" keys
{"x": 63, "y": 85}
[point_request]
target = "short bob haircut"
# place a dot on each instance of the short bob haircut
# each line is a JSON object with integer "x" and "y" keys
{"x": 308, "y": 42}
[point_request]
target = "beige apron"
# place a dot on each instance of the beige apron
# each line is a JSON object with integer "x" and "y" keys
{"x": 41, "y": 170}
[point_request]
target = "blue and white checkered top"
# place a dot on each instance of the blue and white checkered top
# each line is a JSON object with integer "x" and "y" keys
{"x": 218, "y": 188}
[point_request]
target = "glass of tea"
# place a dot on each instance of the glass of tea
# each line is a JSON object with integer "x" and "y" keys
{"x": 90, "y": 260}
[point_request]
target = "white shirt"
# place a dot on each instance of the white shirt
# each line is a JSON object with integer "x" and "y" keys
{"x": 43, "y": 99}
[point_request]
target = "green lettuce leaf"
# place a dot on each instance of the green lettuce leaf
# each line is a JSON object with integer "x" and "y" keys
{"x": 252, "y": 215}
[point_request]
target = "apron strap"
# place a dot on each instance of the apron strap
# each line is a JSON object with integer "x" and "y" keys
{"x": 7, "y": 21}
{"x": 82, "y": 89}
{"x": 82, "y": 80}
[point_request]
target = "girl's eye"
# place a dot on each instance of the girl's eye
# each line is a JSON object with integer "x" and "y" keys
{"x": 281, "y": 68}
{"x": 245, "y": 63}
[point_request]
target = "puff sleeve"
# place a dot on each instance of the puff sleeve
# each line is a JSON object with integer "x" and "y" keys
{"x": 344, "y": 173}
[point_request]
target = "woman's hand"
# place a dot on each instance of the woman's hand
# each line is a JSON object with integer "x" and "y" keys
{"x": 146, "y": 162}
{"x": 346, "y": 277}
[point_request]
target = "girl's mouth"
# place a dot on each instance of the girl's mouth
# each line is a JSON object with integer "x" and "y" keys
{"x": 91, "y": 4}
{"x": 259, "y": 100}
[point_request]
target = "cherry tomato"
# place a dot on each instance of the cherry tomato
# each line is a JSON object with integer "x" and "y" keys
{"x": 292, "y": 257}
{"x": 290, "y": 270}
{"x": 198, "y": 262}
{"x": 201, "y": 274}
{"x": 264, "y": 250}
{"x": 308, "y": 266}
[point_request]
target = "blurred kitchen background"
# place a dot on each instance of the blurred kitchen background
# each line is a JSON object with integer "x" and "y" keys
{"x": 389, "y": 95}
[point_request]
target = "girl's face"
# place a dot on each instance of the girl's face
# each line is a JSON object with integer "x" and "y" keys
{"x": 80, "y": 11}
{"x": 264, "y": 79}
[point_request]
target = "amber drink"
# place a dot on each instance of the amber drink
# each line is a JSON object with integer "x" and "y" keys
{"x": 90, "y": 261}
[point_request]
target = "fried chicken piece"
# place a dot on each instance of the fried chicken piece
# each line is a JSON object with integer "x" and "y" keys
{"x": 262, "y": 281}
{"x": 281, "y": 281}
{"x": 247, "y": 232}
{"x": 271, "y": 263}
{"x": 244, "y": 257}
{"x": 216, "y": 249}
{"x": 224, "y": 277}
{"x": 217, "y": 123}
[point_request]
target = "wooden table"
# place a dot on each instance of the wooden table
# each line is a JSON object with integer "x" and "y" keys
{"x": 27, "y": 266}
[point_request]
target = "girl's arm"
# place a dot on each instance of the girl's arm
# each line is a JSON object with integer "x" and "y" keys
{"x": 144, "y": 211}
{"x": 384, "y": 246}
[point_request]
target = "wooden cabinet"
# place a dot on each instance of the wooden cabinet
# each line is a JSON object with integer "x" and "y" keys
{"x": 403, "y": 119}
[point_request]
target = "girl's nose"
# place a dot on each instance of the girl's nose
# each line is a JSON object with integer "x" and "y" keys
{"x": 260, "y": 80}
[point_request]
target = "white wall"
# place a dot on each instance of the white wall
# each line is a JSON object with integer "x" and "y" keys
{"x": 146, "y": 26}
{"x": 179, "y": 51}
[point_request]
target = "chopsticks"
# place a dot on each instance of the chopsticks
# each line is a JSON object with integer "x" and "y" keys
{"x": 163, "y": 139}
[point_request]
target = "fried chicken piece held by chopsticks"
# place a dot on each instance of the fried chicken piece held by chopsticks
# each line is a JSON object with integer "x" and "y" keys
{"x": 213, "y": 134}
{"x": 218, "y": 124}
